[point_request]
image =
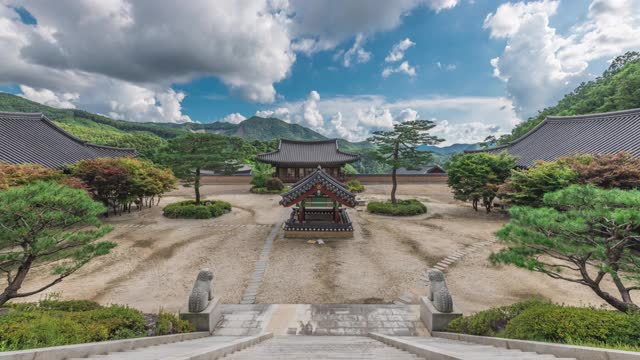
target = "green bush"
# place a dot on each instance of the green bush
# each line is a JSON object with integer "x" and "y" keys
{"x": 565, "y": 324}
{"x": 537, "y": 320}
{"x": 189, "y": 210}
{"x": 264, "y": 190}
{"x": 274, "y": 184}
{"x": 401, "y": 208}
{"x": 170, "y": 324}
{"x": 355, "y": 186}
{"x": 528, "y": 186}
{"x": 490, "y": 322}
{"x": 34, "y": 328}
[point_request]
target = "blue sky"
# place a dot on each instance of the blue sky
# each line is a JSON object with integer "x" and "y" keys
{"x": 475, "y": 68}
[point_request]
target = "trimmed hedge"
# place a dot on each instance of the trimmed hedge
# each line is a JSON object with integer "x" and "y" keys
{"x": 33, "y": 326}
{"x": 274, "y": 184}
{"x": 264, "y": 190}
{"x": 543, "y": 321}
{"x": 189, "y": 210}
{"x": 402, "y": 208}
{"x": 170, "y": 324}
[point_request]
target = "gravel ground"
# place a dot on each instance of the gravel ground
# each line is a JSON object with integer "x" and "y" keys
{"x": 157, "y": 259}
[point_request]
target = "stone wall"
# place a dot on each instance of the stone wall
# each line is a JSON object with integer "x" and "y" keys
{"x": 363, "y": 178}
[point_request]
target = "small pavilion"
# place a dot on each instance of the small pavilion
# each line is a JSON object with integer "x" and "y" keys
{"x": 318, "y": 199}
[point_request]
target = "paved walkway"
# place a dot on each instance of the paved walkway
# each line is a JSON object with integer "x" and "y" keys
{"x": 249, "y": 296}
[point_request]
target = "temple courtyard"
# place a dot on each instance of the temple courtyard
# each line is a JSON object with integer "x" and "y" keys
{"x": 156, "y": 259}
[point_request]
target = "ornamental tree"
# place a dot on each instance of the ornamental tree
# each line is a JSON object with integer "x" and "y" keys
{"x": 397, "y": 148}
{"x": 476, "y": 176}
{"x": 620, "y": 170}
{"x": 189, "y": 154}
{"x": 22, "y": 174}
{"x": 528, "y": 186}
{"x": 47, "y": 224}
{"x": 583, "y": 234}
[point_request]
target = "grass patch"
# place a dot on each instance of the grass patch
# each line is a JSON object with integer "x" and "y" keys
{"x": 401, "y": 208}
{"x": 538, "y": 320}
{"x": 264, "y": 190}
{"x": 189, "y": 210}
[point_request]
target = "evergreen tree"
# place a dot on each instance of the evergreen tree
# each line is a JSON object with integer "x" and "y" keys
{"x": 397, "y": 148}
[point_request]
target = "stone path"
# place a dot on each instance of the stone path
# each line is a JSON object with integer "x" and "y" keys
{"x": 249, "y": 296}
{"x": 320, "y": 319}
{"x": 413, "y": 295}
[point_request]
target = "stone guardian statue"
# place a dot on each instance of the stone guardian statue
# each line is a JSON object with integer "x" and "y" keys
{"x": 438, "y": 291}
{"x": 202, "y": 292}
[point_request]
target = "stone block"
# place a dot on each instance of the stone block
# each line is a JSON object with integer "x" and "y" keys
{"x": 205, "y": 320}
{"x": 433, "y": 319}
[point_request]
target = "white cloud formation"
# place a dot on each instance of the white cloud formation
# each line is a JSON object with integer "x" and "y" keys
{"x": 234, "y": 118}
{"x": 48, "y": 97}
{"x": 402, "y": 68}
{"x": 539, "y": 65}
{"x": 356, "y": 52}
{"x": 397, "y": 51}
{"x": 439, "y": 5}
{"x": 459, "y": 119}
{"x": 446, "y": 67}
{"x": 310, "y": 113}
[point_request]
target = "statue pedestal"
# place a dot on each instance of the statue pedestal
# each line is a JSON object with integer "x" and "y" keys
{"x": 205, "y": 320}
{"x": 433, "y": 319}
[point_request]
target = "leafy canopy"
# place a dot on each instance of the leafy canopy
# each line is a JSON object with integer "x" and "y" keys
{"x": 528, "y": 186}
{"x": 47, "y": 223}
{"x": 582, "y": 235}
{"x": 475, "y": 177}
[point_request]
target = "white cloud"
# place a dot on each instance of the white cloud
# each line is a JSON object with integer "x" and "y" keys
{"x": 397, "y": 51}
{"x": 402, "y": 68}
{"x": 234, "y": 118}
{"x": 468, "y": 119}
{"x": 446, "y": 67}
{"x": 539, "y": 65}
{"x": 310, "y": 113}
{"x": 48, "y": 97}
{"x": 439, "y": 5}
{"x": 356, "y": 52}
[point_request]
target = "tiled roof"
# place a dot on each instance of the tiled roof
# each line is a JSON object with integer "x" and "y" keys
{"x": 559, "y": 136}
{"x": 308, "y": 154}
{"x": 319, "y": 176}
{"x": 32, "y": 138}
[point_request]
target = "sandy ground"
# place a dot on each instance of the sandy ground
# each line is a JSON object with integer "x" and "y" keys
{"x": 156, "y": 259}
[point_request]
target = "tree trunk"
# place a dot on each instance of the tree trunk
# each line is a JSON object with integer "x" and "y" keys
{"x": 620, "y": 305}
{"x": 196, "y": 185}
{"x": 394, "y": 181}
{"x": 12, "y": 289}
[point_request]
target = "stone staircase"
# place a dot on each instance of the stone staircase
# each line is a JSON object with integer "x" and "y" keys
{"x": 321, "y": 347}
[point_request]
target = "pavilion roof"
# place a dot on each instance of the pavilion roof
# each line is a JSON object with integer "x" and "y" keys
{"x": 325, "y": 153}
{"x": 318, "y": 180}
{"x": 33, "y": 138}
{"x": 558, "y": 136}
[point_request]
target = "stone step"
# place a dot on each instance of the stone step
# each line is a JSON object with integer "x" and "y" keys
{"x": 321, "y": 347}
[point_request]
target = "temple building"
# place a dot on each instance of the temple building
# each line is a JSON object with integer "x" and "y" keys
{"x": 559, "y": 136}
{"x": 296, "y": 159}
{"x": 318, "y": 212}
{"x": 33, "y": 138}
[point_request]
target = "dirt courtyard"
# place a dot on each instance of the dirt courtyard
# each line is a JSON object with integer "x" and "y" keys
{"x": 157, "y": 259}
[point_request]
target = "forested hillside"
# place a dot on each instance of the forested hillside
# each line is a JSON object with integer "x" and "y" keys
{"x": 617, "y": 89}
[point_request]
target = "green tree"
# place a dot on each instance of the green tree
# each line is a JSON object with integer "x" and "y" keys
{"x": 47, "y": 223}
{"x": 528, "y": 186}
{"x": 582, "y": 235}
{"x": 261, "y": 173}
{"x": 477, "y": 176}
{"x": 397, "y": 148}
{"x": 189, "y": 154}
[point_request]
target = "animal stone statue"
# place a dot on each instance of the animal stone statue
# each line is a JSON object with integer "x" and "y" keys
{"x": 438, "y": 292}
{"x": 202, "y": 292}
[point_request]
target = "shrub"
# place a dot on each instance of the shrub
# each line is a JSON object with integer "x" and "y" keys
{"x": 23, "y": 174}
{"x": 490, "y": 322}
{"x": 274, "y": 184}
{"x": 355, "y": 186}
{"x": 34, "y": 328}
{"x": 189, "y": 210}
{"x": 538, "y": 320}
{"x": 476, "y": 176}
{"x": 170, "y": 324}
{"x": 261, "y": 173}
{"x": 401, "y": 208}
{"x": 264, "y": 190}
{"x": 528, "y": 186}
{"x": 566, "y": 324}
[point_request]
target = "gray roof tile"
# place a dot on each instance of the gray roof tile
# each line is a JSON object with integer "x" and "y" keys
{"x": 32, "y": 138}
{"x": 559, "y": 136}
{"x": 308, "y": 154}
{"x": 310, "y": 181}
